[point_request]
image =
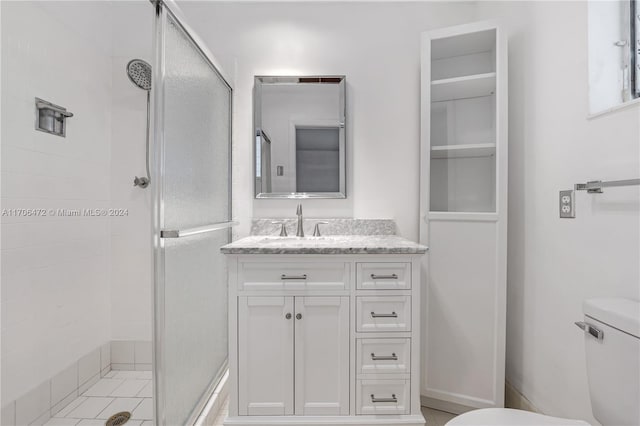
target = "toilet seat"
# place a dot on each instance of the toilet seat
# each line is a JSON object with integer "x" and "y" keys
{"x": 510, "y": 417}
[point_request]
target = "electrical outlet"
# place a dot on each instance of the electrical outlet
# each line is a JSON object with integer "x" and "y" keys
{"x": 567, "y": 204}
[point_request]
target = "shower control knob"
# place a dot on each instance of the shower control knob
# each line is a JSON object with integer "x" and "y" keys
{"x": 142, "y": 182}
{"x": 288, "y": 315}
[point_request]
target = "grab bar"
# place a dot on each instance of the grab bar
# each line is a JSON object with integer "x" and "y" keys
{"x": 595, "y": 186}
{"x": 177, "y": 233}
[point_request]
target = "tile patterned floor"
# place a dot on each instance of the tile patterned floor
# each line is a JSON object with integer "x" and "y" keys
{"x": 436, "y": 417}
{"x": 131, "y": 391}
{"x": 116, "y": 391}
{"x": 433, "y": 417}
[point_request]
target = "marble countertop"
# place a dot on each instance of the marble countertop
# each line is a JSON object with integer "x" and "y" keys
{"x": 332, "y": 244}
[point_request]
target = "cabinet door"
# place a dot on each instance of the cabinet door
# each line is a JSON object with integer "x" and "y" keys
{"x": 265, "y": 356}
{"x": 322, "y": 356}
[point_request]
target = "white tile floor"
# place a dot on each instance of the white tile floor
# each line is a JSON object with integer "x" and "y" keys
{"x": 131, "y": 391}
{"x": 117, "y": 391}
{"x": 436, "y": 417}
{"x": 433, "y": 417}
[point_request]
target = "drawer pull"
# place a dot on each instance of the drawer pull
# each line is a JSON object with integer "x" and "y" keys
{"x": 392, "y": 357}
{"x": 392, "y": 399}
{"x": 384, "y": 277}
{"x": 293, "y": 277}
{"x": 391, "y": 315}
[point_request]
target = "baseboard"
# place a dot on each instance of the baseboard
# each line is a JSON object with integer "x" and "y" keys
{"x": 449, "y": 407}
{"x": 514, "y": 399}
{"x": 213, "y": 406}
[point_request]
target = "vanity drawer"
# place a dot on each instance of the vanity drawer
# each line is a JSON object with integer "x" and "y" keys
{"x": 382, "y": 397}
{"x": 293, "y": 276}
{"x": 384, "y": 276}
{"x": 383, "y": 313}
{"x": 383, "y": 356}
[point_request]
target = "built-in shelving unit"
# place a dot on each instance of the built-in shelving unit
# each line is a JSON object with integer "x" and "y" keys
{"x": 463, "y": 151}
{"x": 463, "y": 208}
{"x": 470, "y": 86}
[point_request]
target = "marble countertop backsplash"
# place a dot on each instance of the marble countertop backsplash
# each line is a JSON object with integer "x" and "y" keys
{"x": 334, "y": 227}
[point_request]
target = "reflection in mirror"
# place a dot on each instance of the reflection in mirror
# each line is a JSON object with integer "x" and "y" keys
{"x": 299, "y": 137}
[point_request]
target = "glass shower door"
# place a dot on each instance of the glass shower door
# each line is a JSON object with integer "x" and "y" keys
{"x": 192, "y": 151}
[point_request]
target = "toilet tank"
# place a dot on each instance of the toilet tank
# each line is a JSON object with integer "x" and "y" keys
{"x": 612, "y": 344}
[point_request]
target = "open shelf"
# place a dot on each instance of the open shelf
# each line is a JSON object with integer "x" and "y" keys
{"x": 464, "y": 44}
{"x": 470, "y": 86}
{"x": 463, "y": 151}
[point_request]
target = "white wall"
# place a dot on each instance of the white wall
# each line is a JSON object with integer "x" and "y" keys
{"x": 376, "y": 45}
{"x": 55, "y": 270}
{"x": 554, "y": 264}
{"x": 71, "y": 284}
{"x": 131, "y": 253}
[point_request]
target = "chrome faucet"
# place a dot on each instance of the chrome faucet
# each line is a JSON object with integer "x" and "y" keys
{"x": 300, "y": 232}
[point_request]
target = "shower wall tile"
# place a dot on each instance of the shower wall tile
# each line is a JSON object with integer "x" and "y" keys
{"x": 105, "y": 356}
{"x": 86, "y": 385}
{"x": 56, "y": 408}
{"x": 33, "y": 404}
{"x": 89, "y": 367}
{"x": 8, "y": 417}
{"x": 131, "y": 252}
{"x": 56, "y": 270}
{"x": 44, "y": 418}
{"x": 142, "y": 352}
{"x": 64, "y": 384}
{"x": 122, "y": 352}
{"x": 144, "y": 367}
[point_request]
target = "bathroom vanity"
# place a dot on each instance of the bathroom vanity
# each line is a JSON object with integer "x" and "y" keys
{"x": 324, "y": 330}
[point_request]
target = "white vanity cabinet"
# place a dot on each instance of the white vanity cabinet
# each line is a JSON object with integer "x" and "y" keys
{"x": 325, "y": 339}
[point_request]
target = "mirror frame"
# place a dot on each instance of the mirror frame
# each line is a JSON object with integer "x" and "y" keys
{"x": 259, "y": 81}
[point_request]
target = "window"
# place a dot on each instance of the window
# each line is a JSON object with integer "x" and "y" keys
{"x": 614, "y": 53}
{"x": 635, "y": 47}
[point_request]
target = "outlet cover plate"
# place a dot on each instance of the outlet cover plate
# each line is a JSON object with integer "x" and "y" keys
{"x": 567, "y": 204}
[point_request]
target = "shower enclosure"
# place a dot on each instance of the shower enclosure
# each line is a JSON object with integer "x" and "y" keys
{"x": 191, "y": 178}
{"x": 113, "y": 296}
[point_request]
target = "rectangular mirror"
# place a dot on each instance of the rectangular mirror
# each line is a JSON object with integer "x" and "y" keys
{"x": 299, "y": 130}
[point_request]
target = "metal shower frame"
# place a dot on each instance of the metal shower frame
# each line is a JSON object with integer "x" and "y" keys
{"x": 164, "y": 10}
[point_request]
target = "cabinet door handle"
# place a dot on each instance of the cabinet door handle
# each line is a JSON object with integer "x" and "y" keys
{"x": 392, "y": 399}
{"x": 384, "y": 277}
{"x": 299, "y": 316}
{"x": 293, "y": 277}
{"x": 392, "y": 357}
{"x": 288, "y": 315}
{"x": 391, "y": 315}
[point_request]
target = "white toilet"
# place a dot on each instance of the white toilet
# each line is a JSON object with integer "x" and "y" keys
{"x": 612, "y": 343}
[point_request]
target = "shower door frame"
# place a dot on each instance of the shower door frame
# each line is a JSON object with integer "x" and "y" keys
{"x": 162, "y": 8}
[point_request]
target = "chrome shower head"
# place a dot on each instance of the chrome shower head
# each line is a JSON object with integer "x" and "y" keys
{"x": 139, "y": 73}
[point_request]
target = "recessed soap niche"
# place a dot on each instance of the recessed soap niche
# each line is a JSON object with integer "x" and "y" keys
{"x": 463, "y": 123}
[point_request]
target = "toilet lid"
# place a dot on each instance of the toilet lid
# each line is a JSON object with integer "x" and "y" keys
{"x": 510, "y": 417}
